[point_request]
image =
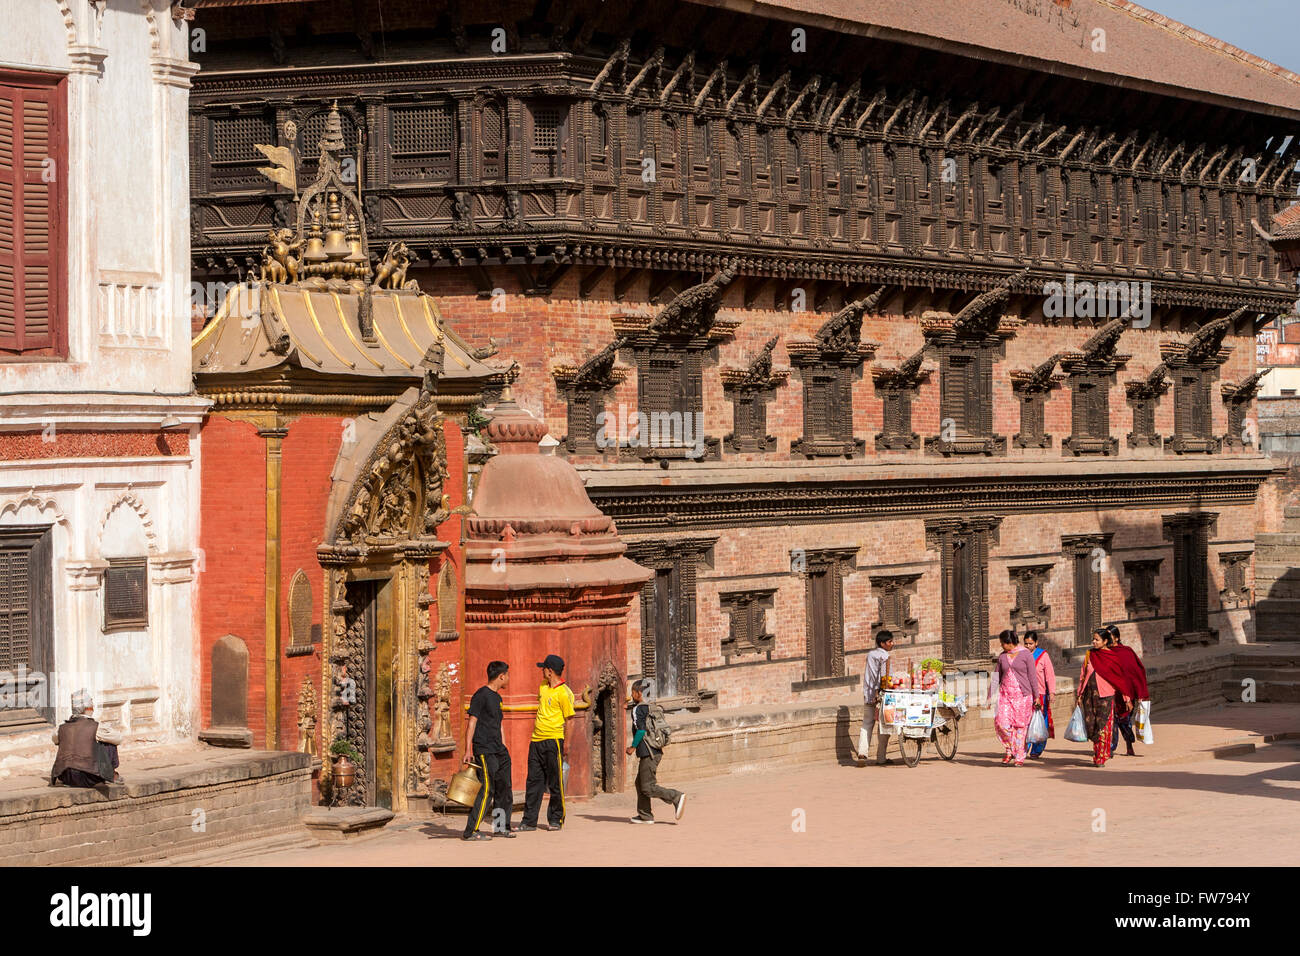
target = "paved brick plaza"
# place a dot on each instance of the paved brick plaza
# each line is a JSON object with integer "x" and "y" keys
{"x": 1176, "y": 805}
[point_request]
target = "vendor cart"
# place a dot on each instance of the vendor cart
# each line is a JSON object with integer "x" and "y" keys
{"x": 914, "y": 716}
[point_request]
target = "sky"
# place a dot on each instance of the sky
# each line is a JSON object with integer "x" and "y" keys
{"x": 1267, "y": 28}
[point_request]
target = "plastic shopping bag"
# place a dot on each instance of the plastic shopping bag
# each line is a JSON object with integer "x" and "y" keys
{"x": 1142, "y": 722}
{"x": 1037, "y": 732}
{"x": 1076, "y": 730}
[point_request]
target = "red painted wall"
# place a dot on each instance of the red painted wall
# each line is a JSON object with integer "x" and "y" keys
{"x": 232, "y": 569}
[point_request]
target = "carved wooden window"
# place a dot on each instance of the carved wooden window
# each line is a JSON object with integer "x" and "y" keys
{"x": 491, "y": 142}
{"x": 963, "y": 546}
{"x": 966, "y": 392}
{"x": 1090, "y": 415}
{"x": 423, "y": 143}
{"x": 1031, "y": 610}
{"x": 301, "y": 632}
{"x": 126, "y": 594}
{"x": 1033, "y": 429}
{"x": 232, "y": 159}
{"x": 747, "y": 632}
{"x": 1234, "y": 564}
{"x": 824, "y": 618}
{"x": 583, "y": 408}
{"x": 749, "y": 422}
{"x": 635, "y": 138}
{"x": 1143, "y": 599}
{"x": 762, "y": 151}
{"x": 33, "y": 136}
{"x": 668, "y": 608}
{"x": 796, "y": 171}
{"x": 897, "y": 431}
{"x": 894, "y": 600}
{"x": 1144, "y": 421}
{"x": 1192, "y": 416}
{"x": 1190, "y": 535}
{"x": 599, "y": 135}
{"x": 1088, "y": 554}
{"x": 546, "y": 145}
{"x": 703, "y": 147}
{"x": 26, "y": 625}
{"x": 732, "y": 162}
{"x": 828, "y": 412}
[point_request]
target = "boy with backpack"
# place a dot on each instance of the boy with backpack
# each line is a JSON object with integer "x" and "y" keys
{"x": 650, "y": 736}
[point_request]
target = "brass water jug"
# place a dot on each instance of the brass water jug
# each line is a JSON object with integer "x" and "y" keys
{"x": 464, "y": 787}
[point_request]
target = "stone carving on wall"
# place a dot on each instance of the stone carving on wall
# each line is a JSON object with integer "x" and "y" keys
{"x": 307, "y": 718}
{"x": 443, "y": 741}
{"x": 400, "y": 493}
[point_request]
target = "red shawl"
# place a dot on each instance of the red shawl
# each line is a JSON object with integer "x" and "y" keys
{"x": 1135, "y": 673}
{"x": 1112, "y": 668}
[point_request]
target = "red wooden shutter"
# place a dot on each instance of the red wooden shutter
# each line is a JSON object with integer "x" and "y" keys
{"x": 33, "y": 171}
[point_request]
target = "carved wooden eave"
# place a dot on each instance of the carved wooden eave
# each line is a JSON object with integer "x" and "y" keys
{"x": 1097, "y": 355}
{"x": 839, "y": 340}
{"x": 908, "y": 375}
{"x": 597, "y": 373}
{"x": 1154, "y": 385}
{"x": 1205, "y": 348}
{"x": 979, "y": 320}
{"x": 759, "y": 375}
{"x": 689, "y": 320}
{"x": 1244, "y": 392}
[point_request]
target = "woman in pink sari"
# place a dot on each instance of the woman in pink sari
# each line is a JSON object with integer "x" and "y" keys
{"x": 1018, "y": 697}
{"x": 1046, "y": 688}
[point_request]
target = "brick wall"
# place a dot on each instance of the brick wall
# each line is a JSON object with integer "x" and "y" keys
{"x": 244, "y": 798}
{"x": 232, "y": 574}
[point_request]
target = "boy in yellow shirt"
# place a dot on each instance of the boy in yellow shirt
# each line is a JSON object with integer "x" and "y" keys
{"x": 555, "y": 705}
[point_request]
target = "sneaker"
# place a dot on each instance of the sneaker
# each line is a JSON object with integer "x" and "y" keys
{"x": 680, "y": 805}
{"x": 639, "y": 820}
{"x": 475, "y": 836}
{"x": 504, "y": 834}
{"x": 524, "y": 828}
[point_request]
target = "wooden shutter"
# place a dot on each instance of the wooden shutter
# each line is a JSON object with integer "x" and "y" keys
{"x": 33, "y": 170}
{"x": 1098, "y": 423}
{"x": 126, "y": 594}
{"x": 1082, "y": 598}
{"x": 819, "y": 623}
{"x": 15, "y": 607}
{"x": 954, "y": 386}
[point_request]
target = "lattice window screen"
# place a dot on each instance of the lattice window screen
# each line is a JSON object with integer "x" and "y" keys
{"x": 15, "y": 608}
{"x": 126, "y": 593}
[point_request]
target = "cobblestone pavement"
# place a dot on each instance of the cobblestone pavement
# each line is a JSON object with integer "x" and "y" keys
{"x": 1176, "y": 804}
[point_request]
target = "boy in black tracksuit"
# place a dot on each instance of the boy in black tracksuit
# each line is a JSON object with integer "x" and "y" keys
{"x": 647, "y": 783}
{"x": 485, "y": 749}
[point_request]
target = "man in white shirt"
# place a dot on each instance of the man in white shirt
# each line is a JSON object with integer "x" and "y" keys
{"x": 876, "y": 664}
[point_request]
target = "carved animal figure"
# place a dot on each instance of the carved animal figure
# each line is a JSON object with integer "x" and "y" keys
{"x": 1208, "y": 339}
{"x": 391, "y": 271}
{"x": 843, "y": 331}
{"x": 280, "y": 256}
{"x": 1100, "y": 347}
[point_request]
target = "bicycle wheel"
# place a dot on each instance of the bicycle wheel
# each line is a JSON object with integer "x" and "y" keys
{"x": 945, "y": 740}
{"x": 910, "y": 748}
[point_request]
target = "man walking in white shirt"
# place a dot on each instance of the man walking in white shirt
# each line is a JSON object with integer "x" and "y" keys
{"x": 876, "y": 663}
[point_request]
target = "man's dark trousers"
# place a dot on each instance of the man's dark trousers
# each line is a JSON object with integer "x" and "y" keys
{"x": 544, "y": 775}
{"x": 647, "y": 785}
{"x": 495, "y": 800}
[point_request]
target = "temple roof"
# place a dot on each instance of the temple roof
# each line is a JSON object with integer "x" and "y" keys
{"x": 1141, "y": 44}
{"x": 314, "y": 327}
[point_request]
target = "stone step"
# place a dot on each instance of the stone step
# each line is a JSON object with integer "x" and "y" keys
{"x": 1277, "y": 606}
{"x": 1284, "y": 539}
{"x": 1266, "y": 691}
{"x": 1276, "y": 554}
{"x": 1242, "y": 671}
{"x": 293, "y": 840}
{"x": 1276, "y": 631}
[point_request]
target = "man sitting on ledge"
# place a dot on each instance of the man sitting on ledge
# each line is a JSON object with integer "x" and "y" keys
{"x": 87, "y": 753}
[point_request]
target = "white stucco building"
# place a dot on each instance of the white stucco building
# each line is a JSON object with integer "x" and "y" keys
{"x": 98, "y": 425}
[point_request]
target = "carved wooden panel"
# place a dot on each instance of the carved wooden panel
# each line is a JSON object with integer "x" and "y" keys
{"x": 1143, "y": 599}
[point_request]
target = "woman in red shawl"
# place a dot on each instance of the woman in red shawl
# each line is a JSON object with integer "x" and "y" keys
{"x": 1101, "y": 681}
{"x": 1136, "y": 674}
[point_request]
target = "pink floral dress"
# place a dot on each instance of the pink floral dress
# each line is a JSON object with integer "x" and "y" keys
{"x": 1015, "y": 708}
